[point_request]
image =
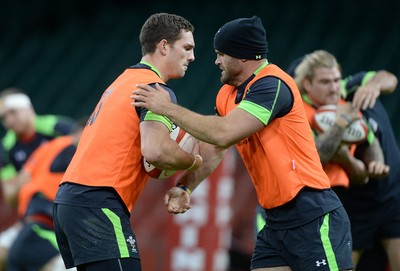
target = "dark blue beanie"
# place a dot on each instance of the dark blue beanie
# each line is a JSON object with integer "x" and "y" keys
{"x": 243, "y": 38}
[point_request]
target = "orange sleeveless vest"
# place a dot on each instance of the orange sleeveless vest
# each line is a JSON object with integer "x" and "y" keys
{"x": 42, "y": 179}
{"x": 109, "y": 152}
{"x": 281, "y": 158}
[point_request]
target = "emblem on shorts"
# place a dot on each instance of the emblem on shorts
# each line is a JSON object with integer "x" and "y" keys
{"x": 319, "y": 263}
{"x": 132, "y": 242}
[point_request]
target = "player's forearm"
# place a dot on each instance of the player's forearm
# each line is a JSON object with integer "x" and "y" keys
{"x": 212, "y": 157}
{"x": 372, "y": 152}
{"x": 356, "y": 171}
{"x": 385, "y": 81}
{"x": 209, "y": 129}
{"x": 328, "y": 143}
{"x": 172, "y": 157}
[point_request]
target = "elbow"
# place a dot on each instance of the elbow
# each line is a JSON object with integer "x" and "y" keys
{"x": 395, "y": 81}
{"x": 223, "y": 144}
{"x": 391, "y": 82}
{"x": 226, "y": 136}
{"x": 222, "y": 141}
{"x": 391, "y": 86}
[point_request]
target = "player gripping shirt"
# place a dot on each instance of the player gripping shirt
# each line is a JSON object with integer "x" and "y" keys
{"x": 290, "y": 182}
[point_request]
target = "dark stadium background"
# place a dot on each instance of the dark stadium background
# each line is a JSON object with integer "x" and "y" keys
{"x": 65, "y": 53}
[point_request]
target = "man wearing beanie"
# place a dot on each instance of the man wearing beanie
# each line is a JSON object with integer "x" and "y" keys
{"x": 242, "y": 38}
{"x": 260, "y": 111}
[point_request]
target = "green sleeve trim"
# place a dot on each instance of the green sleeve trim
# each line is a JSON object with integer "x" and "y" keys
{"x": 46, "y": 124}
{"x": 119, "y": 234}
{"x": 256, "y": 110}
{"x": 326, "y": 243}
{"x": 259, "y": 111}
{"x": 46, "y": 234}
{"x": 9, "y": 140}
{"x": 155, "y": 117}
{"x": 43, "y": 124}
{"x": 367, "y": 77}
{"x": 260, "y": 222}
{"x": 370, "y": 136}
{"x": 278, "y": 90}
{"x": 344, "y": 91}
{"x": 8, "y": 172}
{"x": 314, "y": 133}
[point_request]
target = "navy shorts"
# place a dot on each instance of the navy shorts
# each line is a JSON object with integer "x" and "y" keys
{"x": 34, "y": 247}
{"x": 322, "y": 244}
{"x": 374, "y": 223}
{"x": 87, "y": 235}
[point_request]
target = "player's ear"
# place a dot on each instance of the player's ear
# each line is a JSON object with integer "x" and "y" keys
{"x": 162, "y": 46}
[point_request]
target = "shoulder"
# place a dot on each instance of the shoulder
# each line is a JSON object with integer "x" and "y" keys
{"x": 9, "y": 140}
{"x": 170, "y": 91}
{"x": 271, "y": 86}
{"x": 269, "y": 82}
{"x": 54, "y": 124}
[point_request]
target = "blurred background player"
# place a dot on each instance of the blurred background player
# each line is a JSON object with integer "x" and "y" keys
{"x": 25, "y": 131}
{"x": 36, "y": 248}
{"x": 374, "y": 208}
{"x": 385, "y": 225}
{"x": 378, "y": 194}
{"x": 319, "y": 79}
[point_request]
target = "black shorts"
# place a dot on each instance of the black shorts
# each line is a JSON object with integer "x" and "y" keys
{"x": 34, "y": 247}
{"x": 323, "y": 244}
{"x": 87, "y": 235}
{"x": 374, "y": 223}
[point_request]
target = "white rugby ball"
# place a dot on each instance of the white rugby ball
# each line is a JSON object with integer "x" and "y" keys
{"x": 325, "y": 118}
{"x": 184, "y": 140}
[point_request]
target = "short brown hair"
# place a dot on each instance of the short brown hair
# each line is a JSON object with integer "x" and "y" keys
{"x": 162, "y": 26}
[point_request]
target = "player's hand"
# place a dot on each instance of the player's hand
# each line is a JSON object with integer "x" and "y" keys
{"x": 365, "y": 96}
{"x": 348, "y": 112}
{"x": 156, "y": 100}
{"x": 177, "y": 200}
{"x": 377, "y": 169}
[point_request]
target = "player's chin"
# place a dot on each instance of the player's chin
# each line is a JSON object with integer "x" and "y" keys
{"x": 332, "y": 100}
{"x": 179, "y": 75}
{"x": 224, "y": 78}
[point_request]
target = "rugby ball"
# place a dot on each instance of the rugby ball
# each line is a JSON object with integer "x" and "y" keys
{"x": 184, "y": 140}
{"x": 325, "y": 117}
